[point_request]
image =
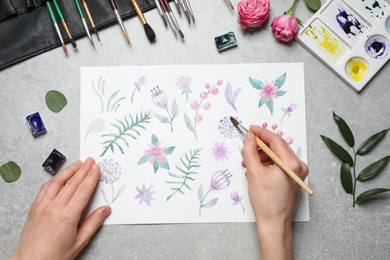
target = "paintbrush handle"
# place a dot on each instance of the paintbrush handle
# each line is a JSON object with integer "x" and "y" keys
{"x": 113, "y": 5}
{"x": 282, "y": 165}
{"x": 139, "y": 11}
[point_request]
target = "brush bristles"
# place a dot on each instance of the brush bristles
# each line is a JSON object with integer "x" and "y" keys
{"x": 193, "y": 18}
{"x": 149, "y": 32}
{"x": 126, "y": 36}
{"x": 178, "y": 8}
{"x": 181, "y": 34}
{"x": 64, "y": 48}
{"x": 96, "y": 32}
{"x": 73, "y": 42}
{"x": 231, "y": 5}
{"x": 234, "y": 121}
{"x": 90, "y": 39}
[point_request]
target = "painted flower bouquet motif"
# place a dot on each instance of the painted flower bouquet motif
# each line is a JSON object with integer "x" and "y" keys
{"x": 237, "y": 200}
{"x": 269, "y": 90}
{"x": 219, "y": 181}
{"x": 186, "y": 172}
{"x": 125, "y": 129}
{"x": 141, "y": 81}
{"x": 157, "y": 155}
{"x": 195, "y": 105}
{"x": 160, "y": 99}
{"x": 108, "y": 103}
{"x": 184, "y": 84}
{"x": 97, "y": 126}
{"x": 110, "y": 172}
{"x": 145, "y": 195}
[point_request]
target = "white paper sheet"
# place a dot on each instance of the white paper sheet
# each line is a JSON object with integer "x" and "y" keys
{"x": 118, "y": 108}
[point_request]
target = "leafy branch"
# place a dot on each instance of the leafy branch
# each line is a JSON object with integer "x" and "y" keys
{"x": 191, "y": 162}
{"x": 112, "y": 104}
{"x": 348, "y": 178}
{"x": 125, "y": 129}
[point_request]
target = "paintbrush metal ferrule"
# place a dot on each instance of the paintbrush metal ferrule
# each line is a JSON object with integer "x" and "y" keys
{"x": 189, "y": 8}
{"x": 119, "y": 19}
{"x": 160, "y": 11}
{"x": 87, "y": 30}
{"x": 170, "y": 22}
{"x": 176, "y": 24}
{"x": 88, "y": 12}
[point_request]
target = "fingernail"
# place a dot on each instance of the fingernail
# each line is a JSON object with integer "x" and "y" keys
{"x": 248, "y": 136}
{"x": 89, "y": 161}
{"x": 107, "y": 211}
{"x": 95, "y": 167}
{"x": 78, "y": 163}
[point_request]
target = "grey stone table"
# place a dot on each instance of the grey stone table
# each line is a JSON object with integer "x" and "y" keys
{"x": 335, "y": 231}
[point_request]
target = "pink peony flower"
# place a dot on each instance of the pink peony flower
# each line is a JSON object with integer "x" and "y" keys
{"x": 215, "y": 91}
{"x": 285, "y": 27}
{"x": 203, "y": 95}
{"x": 194, "y": 105}
{"x": 207, "y": 106}
{"x": 253, "y": 13}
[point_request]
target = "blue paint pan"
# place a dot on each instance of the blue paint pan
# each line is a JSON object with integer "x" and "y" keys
{"x": 54, "y": 161}
{"x": 35, "y": 124}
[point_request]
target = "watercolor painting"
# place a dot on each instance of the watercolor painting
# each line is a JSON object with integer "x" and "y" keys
{"x": 269, "y": 90}
{"x": 110, "y": 172}
{"x": 169, "y": 153}
{"x": 137, "y": 86}
{"x": 109, "y": 103}
{"x": 376, "y": 8}
{"x": 195, "y": 105}
{"x": 125, "y": 130}
{"x": 330, "y": 45}
{"x": 185, "y": 172}
{"x": 160, "y": 99}
{"x": 156, "y": 155}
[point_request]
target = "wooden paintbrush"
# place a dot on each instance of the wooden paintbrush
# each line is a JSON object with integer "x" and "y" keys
{"x": 119, "y": 19}
{"x": 148, "y": 30}
{"x": 274, "y": 157}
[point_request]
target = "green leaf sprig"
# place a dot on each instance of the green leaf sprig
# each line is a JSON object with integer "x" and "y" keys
{"x": 10, "y": 171}
{"x": 313, "y": 4}
{"x": 348, "y": 177}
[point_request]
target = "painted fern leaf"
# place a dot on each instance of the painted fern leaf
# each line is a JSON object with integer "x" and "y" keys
{"x": 125, "y": 129}
{"x": 186, "y": 172}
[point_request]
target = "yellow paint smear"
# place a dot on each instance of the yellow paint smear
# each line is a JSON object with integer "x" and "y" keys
{"x": 356, "y": 69}
{"x": 326, "y": 42}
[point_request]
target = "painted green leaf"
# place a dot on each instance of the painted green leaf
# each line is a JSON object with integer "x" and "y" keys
{"x": 270, "y": 105}
{"x": 280, "y": 93}
{"x": 10, "y": 171}
{"x": 211, "y": 203}
{"x": 346, "y": 177}
{"x": 200, "y": 193}
{"x": 256, "y": 83}
{"x": 164, "y": 164}
{"x": 120, "y": 191}
{"x": 280, "y": 81}
{"x": 368, "y": 144}
{"x": 262, "y": 101}
{"x": 338, "y": 150}
{"x": 373, "y": 169}
{"x": 189, "y": 123}
{"x": 55, "y": 101}
{"x": 344, "y": 129}
{"x": 162, "y": 119}
{"x": 368, "y": 194}
{"x": 313, "y": 4}
{"x": 156, "y": 165}
{"x": 154, "y": 139}
{"x": 144, "y": 159}
{"x": 105, "y": 197}
{"x": 175, "y": 109}
{"x": 169, "y": 150}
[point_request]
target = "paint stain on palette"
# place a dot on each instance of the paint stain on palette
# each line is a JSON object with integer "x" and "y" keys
{"x": 350, "y": 37}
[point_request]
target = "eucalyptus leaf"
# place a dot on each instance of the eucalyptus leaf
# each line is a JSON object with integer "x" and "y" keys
{"x": 313, "y": 4}
{"x": 175, "y": 109}
{"x": 373, "y": 169}
{"x": 369, "y": 193}
{"x": 211, "y": 203}
{"x": 10, "y": 171}
{"x": 280, "y": 80}
{"x": 55, "y": 101}
{"x": 346, "y": 177}
{"x": 162, "y": 119}
{"x": 368, "y": 144}
{"x": 345, "y": 130}
{"x": 256, "y": 83}
{"x": 200, "y": 193}
{"x": 338, "y": 150}
{"x": 189, "y": 123}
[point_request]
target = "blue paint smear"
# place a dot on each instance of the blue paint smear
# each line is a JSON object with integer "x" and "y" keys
{"x": 377, "y": 49}
{"x": 349, "y": 23}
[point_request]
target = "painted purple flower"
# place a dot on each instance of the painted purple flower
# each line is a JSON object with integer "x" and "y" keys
{"x": 288, "y": 110}
{"x": 110, "y": 171}
{"x": 159, "y": 98}
{"x": 220, "y": 180}
{"x": 220, "y": 151}
{"x": 237, "y": 200}
{"x": 156, "y": 152}
{"x": 145, "y": 195}
{"x": 269, "y": 89}
{"x": 97, "y": 126}
{"x": 227, "y": 129}
{"x": 141, "y": 80}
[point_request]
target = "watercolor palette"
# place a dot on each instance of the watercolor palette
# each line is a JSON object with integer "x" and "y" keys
{"x": 350, "y": 37}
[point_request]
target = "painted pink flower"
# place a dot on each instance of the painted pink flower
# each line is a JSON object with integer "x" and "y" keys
{"x": 289, "y": 140}
{"x": 268, "y": 90}
{"x": 220, "y": 151}
{"x": 98, "y": 125}
{"x": 203, "y": 95}
{"x": 145, "y": 194}
{"x": 264, "y": 125}
{"x": 198, "y": 118}
{"x": 234, "y": 195}
{"x": 274, "y": 126}
{"x": 156, "y": 152}
{"x": 219, "y": 82}
{"x": 285, "y": 27}
{"x": 280, "y": 133}
{"x": 183, "y": 82}
{"x": 253, "y": 13}
{"x": 194, "y": 105}
{"x": 141, "y": 81}
{"x": 214, "y": 91}
{"x": 292, "y": 107}
{"x": 207, "y": 85}
{"x": 207, "y": 106}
